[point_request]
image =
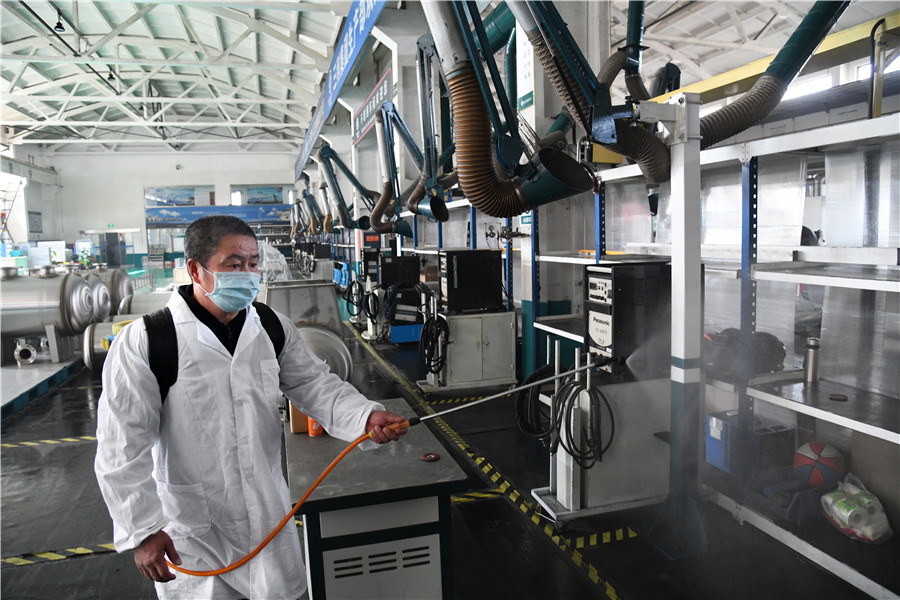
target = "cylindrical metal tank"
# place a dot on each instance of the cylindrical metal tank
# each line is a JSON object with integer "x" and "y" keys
{"x": 93, "y": 353}
{"x": 143, "y": 304}
{"x": 119, "y": 284}
{"x": 28, "y": 303}
{"x": 99, "y": 296}
{"x": 322, "y": 341}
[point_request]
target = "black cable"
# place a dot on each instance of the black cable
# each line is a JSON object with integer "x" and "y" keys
{"x": 532, "y": 416}
{"x": 433, "y": 344}
{"x": 371, "y": 306}
{"x": 350, "y": 295}
{"x": 390, "y": 311}
{"x": 563, "y": 404}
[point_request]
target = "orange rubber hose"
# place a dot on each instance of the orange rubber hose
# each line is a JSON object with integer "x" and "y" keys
{"x": 287, "y": 517}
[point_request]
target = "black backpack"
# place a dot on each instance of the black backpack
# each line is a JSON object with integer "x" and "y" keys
{"x": 162, "y": 343}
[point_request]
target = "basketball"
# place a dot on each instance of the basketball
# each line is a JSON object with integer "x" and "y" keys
{"x": 818, "y": 464}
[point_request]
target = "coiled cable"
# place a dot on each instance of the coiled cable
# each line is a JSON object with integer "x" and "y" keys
{"x": 591, "y": 448}
{"x": 351, "y": 296}
{"x": 532, "y": 416}
{"x": 371, "y": 306}
{"x": 433, "y": 344}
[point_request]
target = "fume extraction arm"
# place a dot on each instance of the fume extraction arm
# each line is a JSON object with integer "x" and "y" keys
{"x": 488, "y": 165}
{"x": 587, "y": 96}
{"x": 328, "y": 158}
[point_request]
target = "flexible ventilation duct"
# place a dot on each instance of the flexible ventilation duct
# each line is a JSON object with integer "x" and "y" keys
{"x": 557, "y": 175}
{"x": 639, "y": 144}
{"x": 766, "y": 93}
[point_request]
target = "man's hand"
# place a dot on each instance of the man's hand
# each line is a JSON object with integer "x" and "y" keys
{"x": 377, "y": 426}
{"x": 150, "y": 557}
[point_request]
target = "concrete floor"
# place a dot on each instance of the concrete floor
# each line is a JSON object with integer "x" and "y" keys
{"x": 502, "y": 547}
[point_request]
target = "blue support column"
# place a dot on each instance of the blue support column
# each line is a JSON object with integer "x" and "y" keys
{"x": 473, "y": 242}
{"x": 440, "y": 235}
{"x": 415, "y": 232}
{"x": 749, "y": 254}
{"x": 535, "y": 287}
{"x": 600, "y": 222}
{"x": 510, "y": 304}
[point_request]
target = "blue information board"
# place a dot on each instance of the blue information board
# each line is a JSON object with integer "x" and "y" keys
{"x": 182, "y": 216}
{"x": 360, "y": 20}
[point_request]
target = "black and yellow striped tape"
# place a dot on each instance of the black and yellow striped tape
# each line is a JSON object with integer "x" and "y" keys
{"x": 444, "y": 401}
{"x": 65, "y": 440}
{"x": 527, "y": 508}
{"x": 54, "y": 555}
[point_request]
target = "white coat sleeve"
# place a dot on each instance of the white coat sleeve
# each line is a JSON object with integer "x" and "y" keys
{"x": 128, "y": 416}
{"x": 311, "y": 386}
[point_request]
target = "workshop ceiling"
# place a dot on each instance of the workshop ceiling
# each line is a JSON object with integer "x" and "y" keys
{"x": 207, "y": 75}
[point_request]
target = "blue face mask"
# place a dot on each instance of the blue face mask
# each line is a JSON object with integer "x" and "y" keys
{"x": 234, "y": 290}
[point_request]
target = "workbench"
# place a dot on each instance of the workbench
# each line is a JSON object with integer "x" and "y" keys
{"x": 379, "y": 525}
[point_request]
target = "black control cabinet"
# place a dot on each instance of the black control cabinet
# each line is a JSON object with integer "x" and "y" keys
{"x": 471, "y": 280}
{"x": 627, "y": 313}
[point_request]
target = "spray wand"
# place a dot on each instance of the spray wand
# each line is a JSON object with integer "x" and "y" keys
{"x": 394, "y": 426}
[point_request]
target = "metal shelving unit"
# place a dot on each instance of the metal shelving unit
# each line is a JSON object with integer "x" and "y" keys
{"x": 859, "y": 410}
{"x": 853, "y": 268}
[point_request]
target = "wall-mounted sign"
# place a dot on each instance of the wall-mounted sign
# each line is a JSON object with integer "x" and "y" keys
{"x": 360, "y": 20}
{"x": 182, "y": 216}
{"x": 178, "y": 195}
{"x": 262, "y": 194}
{"x": 35, "y": 222}
{"x": 365, "y": 116}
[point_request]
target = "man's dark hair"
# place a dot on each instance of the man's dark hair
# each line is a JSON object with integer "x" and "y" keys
{"x": 203, "y": 236}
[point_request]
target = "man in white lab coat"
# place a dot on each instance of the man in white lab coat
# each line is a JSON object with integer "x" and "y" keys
{"x": 196, "y": 477}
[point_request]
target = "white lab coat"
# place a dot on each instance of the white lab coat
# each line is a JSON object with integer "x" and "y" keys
{"x": 205, "y": 466}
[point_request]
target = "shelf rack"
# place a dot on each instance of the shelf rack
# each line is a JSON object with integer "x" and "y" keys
{"x": 857, "y": 268}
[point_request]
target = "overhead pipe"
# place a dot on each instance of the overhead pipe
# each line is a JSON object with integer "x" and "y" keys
{"x": 328, "y": 221}
{"x": 768, "y": 90}
{"x": 556, "y": 175}
{"x": 640, "y": 144}
{"x": 387, "y": 188}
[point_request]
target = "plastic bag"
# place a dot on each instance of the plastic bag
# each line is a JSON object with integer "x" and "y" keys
{"x": 857, "y": 512}
{"x": 272, "y": 264}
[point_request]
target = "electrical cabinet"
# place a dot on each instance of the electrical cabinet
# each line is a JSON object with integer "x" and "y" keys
{"x": 482, "y": 351}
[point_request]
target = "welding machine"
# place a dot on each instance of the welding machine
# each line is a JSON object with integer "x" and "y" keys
{"x": 402, "y": 271}
{"x": 471, "y": 280}
{"x": 627, "y": 314}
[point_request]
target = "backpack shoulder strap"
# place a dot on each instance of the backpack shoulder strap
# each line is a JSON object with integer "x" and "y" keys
{"x": 272, "y": 324}
{"x": 162, "y": 349}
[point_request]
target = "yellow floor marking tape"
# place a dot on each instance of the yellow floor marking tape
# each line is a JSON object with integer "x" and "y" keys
{"x": 52, "y": 442}
{"x": 563, "y": 543}
{"x": 38, "y": 557}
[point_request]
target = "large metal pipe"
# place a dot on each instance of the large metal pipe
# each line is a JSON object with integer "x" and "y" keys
{"x": 640, "y": 145}
{"x": 322, "y": 341}
{"x": 119, "y": 284}
{"x": 142, "y": 304}
{"x": 766, "y": 93}
{"x": 92, "y": 351}
{"x": 555, "y": 174}
{"x": 28, "y": 303}
{"x": 99, "y": 296}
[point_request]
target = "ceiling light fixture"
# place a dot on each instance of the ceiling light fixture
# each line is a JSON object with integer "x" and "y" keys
{"x": 110, "y": 77}
{"x": 59, "y": 26}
